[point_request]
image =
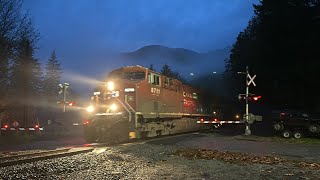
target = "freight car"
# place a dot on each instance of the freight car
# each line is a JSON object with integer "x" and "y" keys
{"x": 136, "y": 102}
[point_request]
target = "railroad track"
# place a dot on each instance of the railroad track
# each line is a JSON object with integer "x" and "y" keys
{"x": 32, "y": 157}
{"x": 63, "y": 152}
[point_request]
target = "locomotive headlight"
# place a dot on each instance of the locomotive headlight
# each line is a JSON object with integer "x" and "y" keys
{"x": 113, "y": 107}
{"x": 110, "y": 86}
{"x": 90, "y": 109}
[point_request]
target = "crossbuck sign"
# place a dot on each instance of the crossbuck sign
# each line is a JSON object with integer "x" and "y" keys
{"x": 251, "y": 80}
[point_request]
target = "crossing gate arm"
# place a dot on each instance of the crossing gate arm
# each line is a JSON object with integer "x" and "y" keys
{"x": 21, "y": 129}
{"x": 220, "y": 122}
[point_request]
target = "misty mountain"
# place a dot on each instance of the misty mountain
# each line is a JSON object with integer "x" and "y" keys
{"x": 175, "y": 55}
{"x": 182, "y": 60}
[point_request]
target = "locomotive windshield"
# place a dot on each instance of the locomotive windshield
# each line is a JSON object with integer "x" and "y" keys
{"x": 128, "y": 75}
{"x": 134, "y": 75}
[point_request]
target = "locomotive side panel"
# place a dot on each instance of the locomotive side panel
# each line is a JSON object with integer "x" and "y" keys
{"x": 191, "y": 103}
{"x": 148, "y": 98}
{"x": 154, "y": 96}
{"x": 172, "y": 95}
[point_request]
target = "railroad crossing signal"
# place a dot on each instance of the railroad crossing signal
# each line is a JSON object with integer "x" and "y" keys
{"x": 256, "y": 98}
{"x": 250, "y": 97}
{"x": 63, "y": 89}
{"x": 71, "y": 103}
{"x": 68, "y": 103}
{"x": 251, "y": 79}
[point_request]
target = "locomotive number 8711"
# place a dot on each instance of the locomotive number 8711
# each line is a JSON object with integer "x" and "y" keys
{"x": 137, "y": 102}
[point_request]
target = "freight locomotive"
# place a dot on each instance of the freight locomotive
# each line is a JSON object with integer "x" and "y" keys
{"x": 136, "y": 102}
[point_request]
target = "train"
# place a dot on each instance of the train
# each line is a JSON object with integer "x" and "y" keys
{"x": 136, "y": 102}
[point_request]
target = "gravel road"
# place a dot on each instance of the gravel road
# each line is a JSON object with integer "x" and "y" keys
{"x": 149, "y": 161}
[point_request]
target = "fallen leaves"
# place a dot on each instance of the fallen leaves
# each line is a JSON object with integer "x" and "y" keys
{"x": 236, "y": 157}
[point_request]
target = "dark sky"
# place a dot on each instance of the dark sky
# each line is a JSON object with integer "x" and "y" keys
{"x": 84, "y": 31}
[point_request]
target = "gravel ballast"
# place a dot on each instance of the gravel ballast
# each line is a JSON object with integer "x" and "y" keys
{"x": 150, "y": 161}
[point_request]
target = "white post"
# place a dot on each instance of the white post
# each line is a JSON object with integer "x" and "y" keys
{"x": 247, "y": 130}
{"x": 64, "y": 97}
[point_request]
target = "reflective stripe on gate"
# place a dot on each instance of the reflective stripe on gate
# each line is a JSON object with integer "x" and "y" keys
{"x": 21, "y": 129}
{"x": 220, "y": 122}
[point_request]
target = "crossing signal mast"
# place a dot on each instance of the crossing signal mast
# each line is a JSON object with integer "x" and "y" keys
{"x": 248, "y": 96}
{"x": 63, "y": 89}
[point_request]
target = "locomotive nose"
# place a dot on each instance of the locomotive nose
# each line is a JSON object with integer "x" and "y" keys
{"x": 113, "y": 107}
{"x": 110, "y": 86}
{"x": 90, "y": 109}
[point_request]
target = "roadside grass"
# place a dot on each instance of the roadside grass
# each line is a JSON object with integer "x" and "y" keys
{"x": 305, "y": 140}
{"x": 14, "y": 139}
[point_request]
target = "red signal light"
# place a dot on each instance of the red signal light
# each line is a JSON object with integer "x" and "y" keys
{"x": 256, "y": 98}
{"x": 36, "y": 126}
{"x": 6, "y": 126}
{"x": 71, "y": 103}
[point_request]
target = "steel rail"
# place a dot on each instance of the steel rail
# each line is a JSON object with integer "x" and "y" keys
{"x": 63, "y": 152}
{"x": 32, "y": 157}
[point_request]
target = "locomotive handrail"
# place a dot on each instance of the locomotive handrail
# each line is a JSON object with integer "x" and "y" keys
{"x": 126, "y": 101}
{"x": 135, "y": 118}
{"x": 125, "y": 108}
{"x": 172, "y": 115}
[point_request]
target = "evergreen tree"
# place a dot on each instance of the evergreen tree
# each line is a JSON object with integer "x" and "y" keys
{"x": 12, "y": 23}
{"x": 151, "y": 67}
{"x": 166, "y": 70}
{"x": 26, "y": 83}
{"x": 280, "y": 45}
{"x": 72, "y": 95}
{"x": 52, "y": 78}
